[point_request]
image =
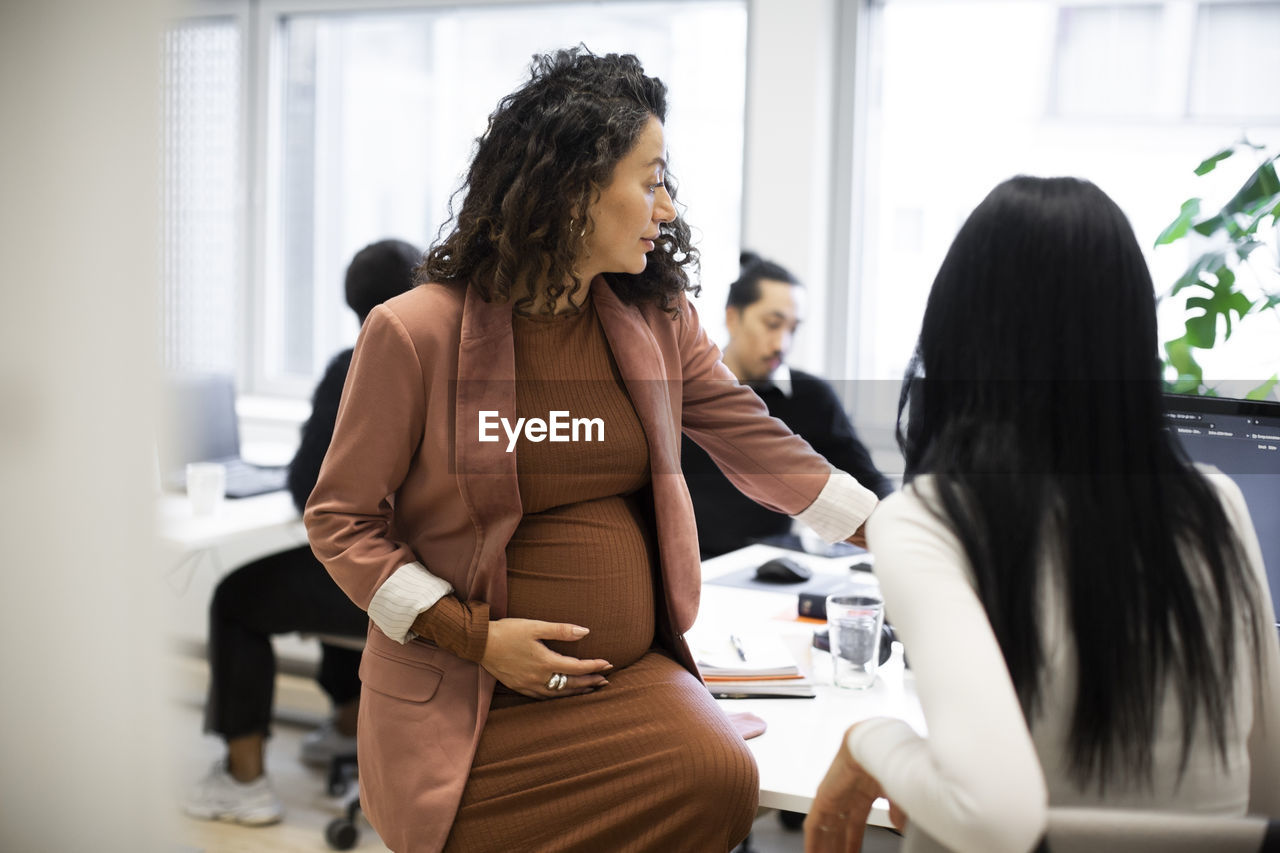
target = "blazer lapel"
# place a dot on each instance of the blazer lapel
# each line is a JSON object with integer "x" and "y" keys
{"x": 486, "y": 472}
{"x": 651, "y": 385}
{"x": 644, "y": 371}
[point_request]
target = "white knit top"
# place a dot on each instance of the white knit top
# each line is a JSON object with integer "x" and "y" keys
{"x": 981, "y": 781}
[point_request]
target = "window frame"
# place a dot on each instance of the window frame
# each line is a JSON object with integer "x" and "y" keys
{"x": 262, "y": 225}
{"x": 815, "y": 61}
{"x": 874, "y": 403}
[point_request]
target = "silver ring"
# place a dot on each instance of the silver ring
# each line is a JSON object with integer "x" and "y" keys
{"x": 557, "y": 681}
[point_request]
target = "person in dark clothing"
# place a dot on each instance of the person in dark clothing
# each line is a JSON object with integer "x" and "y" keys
{"x": 289, "y": 592}
{"x": 764, "y": 309}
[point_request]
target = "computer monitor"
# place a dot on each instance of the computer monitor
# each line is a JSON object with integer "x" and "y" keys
{"x": 201, "y": 425}
{"x": 200, "y": 422}
{"x": 1241, "y": 438}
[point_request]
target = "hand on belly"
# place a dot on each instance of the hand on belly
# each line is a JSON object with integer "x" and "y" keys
{"x": 515, "y": 654}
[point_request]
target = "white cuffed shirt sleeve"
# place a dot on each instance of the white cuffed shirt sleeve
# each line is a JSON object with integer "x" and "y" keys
{"x": 409, "y": 590}
{"x": 840, "y": 509}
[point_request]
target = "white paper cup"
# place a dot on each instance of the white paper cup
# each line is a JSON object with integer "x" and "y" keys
{"x": 206, "y": 486}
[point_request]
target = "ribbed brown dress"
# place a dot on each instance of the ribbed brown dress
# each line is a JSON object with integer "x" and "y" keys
{"x": 648, "y": 762}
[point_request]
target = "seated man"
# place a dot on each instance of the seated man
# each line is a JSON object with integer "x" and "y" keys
{"x": 764, "y": 309}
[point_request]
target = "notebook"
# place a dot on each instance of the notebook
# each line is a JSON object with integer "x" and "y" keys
{"x": 202, "y": 426}
{"x": 747, "y": 665}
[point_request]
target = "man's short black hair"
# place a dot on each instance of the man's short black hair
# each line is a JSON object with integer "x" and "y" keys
{"x": 378, "y": 272}
{"x": 754, "y": 269}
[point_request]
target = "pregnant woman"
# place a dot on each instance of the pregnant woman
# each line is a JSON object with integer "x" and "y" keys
{"x": 526, "y": 682}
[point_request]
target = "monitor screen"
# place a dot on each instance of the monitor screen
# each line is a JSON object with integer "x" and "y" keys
{"x": 200, "y": 425}
{"x": 1241, "y": 438}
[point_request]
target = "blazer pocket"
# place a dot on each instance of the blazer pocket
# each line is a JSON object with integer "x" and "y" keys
{"x": 399, "y": 676}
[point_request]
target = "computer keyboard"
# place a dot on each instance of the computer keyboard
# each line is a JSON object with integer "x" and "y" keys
{"x": 245, "y": 480}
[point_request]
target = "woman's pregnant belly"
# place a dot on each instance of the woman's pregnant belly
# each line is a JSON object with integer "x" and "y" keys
{"x": 588, "y": 564}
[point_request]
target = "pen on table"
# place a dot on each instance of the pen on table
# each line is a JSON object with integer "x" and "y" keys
{"x": 737, "y": 647}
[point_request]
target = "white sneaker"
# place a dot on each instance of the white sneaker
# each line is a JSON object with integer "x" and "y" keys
{"x": 323, "y": 744}
{"x": 218, "y": 796}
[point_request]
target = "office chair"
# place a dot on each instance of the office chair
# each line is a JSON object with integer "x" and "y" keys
{"x": 1102, "y": 830}
{"x": 1097, "y": 830}
{"x": 343, "y": 833}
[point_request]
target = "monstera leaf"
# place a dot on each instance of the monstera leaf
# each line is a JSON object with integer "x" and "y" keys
{"x": 1214, "y": 298}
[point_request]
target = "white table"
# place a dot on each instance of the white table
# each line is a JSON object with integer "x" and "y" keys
{"x": 263, "y": 524}
{"x": 197, "y": 551}
{"x": 803, "y": 734}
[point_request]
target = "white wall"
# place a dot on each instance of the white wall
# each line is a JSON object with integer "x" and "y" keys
{"x": 787, "y": 165}
{"x": 806, "y": 77}
{"x": 78, "y": 653}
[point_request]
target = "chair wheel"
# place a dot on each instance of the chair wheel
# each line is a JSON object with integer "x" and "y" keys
{"x": 341, "y": 834}
{"x": 343, "y": 771}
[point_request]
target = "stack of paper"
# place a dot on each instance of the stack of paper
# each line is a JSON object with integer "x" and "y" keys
{"x": 748, "y": 665}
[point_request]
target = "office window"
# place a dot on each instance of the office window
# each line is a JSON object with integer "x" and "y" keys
{"x": 373, "y": 116}
{"x": 1236, "y": 62}
{"x": 1130, "y": 95}
{"x": 1104, "y": 65}
{"x": 200, "y": 254}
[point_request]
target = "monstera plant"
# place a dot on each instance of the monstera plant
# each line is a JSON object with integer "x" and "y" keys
{"x": 1235, "y": 278}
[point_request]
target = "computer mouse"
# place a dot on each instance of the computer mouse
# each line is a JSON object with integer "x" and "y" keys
{"x": 783, "y": 570}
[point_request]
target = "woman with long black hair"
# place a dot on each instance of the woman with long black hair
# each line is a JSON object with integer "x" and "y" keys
{"x": 1086, "y": 612}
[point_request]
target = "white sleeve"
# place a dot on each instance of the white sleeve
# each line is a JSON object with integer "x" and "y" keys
{"x": 1264, "y": 737}
{"x": 840, "y": 509}
{"x": 975, "y": 782}
{"x": 410, "y": 590}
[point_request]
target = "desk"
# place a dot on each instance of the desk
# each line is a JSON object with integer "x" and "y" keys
{"x": 197, "y": 551}
{"x": 263, "y": 524}
{"x": 803, "y": 734}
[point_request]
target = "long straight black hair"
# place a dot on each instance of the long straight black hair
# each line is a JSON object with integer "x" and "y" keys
{"x": 1035, "y": 402}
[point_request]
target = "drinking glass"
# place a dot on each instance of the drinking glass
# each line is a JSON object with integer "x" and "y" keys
{"x": 854, "y": 618}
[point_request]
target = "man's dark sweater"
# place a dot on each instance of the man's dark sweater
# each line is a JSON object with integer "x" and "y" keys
{"x": 726, "y": 518}
{"x": 317, "y": 432}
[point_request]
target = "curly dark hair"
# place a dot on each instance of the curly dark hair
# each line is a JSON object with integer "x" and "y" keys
{"x": 550, "y": 148}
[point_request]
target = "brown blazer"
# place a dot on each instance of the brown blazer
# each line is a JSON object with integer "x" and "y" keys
{"x": 406, "y": 479}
